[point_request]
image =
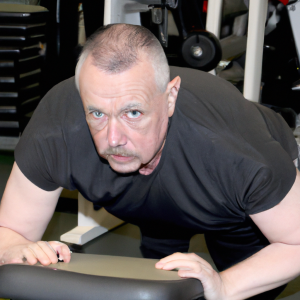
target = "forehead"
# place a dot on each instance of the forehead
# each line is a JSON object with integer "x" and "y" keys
{"x": 137, "y": 83}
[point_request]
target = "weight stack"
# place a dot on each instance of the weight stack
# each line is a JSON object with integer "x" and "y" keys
{"x": 22, "y": 33}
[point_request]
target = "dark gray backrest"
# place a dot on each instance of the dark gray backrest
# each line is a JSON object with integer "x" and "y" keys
{"x": 94, "y": 277}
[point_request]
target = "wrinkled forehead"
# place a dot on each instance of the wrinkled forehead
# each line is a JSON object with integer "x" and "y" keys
{"x": 137, "y": 82}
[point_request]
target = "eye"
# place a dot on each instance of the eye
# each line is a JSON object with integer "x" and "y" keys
{"x": 133, "y": 114}
{"x": 98, "y": 114}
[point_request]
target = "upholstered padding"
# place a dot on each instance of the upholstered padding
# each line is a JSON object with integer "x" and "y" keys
{"x": 92, "y": 277}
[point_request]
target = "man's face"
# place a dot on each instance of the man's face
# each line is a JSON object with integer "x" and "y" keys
{"x": 126, "y": 114}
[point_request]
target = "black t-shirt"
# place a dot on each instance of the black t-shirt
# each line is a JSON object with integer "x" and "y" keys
{"x": 224, "y": 159}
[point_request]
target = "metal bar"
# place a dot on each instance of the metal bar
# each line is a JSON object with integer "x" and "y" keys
{"x": 254, "y": 52}
{"x": 214, "y": 19}
{"x": 107, "y": 12}
{"x": 294, "y": 14}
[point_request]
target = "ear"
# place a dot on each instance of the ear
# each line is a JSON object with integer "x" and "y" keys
{"x": 172, "y": 90}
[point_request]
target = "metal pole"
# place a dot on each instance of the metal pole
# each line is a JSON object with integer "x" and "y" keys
{"x": 254, "y": 52}
{"x": 214, "y": 19}
{"x": 107, "y": 12}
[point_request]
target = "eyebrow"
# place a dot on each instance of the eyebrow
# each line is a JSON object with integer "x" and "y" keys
{"x": 130, "y": 106}
{"x": 124, "y": 108}
{"x": 91, "y": 108}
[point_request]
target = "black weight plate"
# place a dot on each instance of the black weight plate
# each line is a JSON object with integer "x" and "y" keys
{"x": 18, "y": 52}
{"x": 30, "y": 63}
{"x": 22, "y": 29}
{"x": 16, "y": 67}
{"x": 22, "y": 14}
{"x": 11, "y": 83}
{"x": 10, "y": 131}
{"x": 205, "y": 44}
{"x": 17, "y": 96}
{"x": 21, "y": 41}
{"x": 211, "y": 50}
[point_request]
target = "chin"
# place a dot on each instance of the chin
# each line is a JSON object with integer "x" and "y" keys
{"x": 124, "y": 168}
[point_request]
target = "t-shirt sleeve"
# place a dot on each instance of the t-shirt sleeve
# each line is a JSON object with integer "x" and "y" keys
{"x": 268, "y": 177}
{"x": 255, "y": 171}
{"x": 279, "y": 130}
{"x": 268, "y": 187}
{"x": 253, "y": 181}
{"x": 275, "y": 175}
{"x": 41, "y": 153}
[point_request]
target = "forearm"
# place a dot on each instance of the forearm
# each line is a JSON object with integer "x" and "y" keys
{"x": 14, "y": 248}
{"x": 269, "y": 268}
{"x": 10, "y": 238}
{"x": 26, "y": 208}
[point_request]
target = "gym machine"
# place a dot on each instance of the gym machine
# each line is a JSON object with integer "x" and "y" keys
{"x": 96, "y": 277}
{"x": 281, "y": 71}
{"x": 198, "y": 45}
{"x": 22, "y": 32}
{"x": 201, "y": 49}
{"x": 129, "y": 12}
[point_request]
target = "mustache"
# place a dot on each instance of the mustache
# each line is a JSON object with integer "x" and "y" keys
{"x": 118, "y": 151}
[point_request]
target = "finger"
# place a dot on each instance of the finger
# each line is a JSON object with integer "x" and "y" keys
{"x": 182, "y": 256}
{"x": 171, "y": 257}
{"x": 190, "y": 274}
{"x": 175, "y": 256}
{"x": 65, "y": 252}
{"x": 62, "y": 250}
{"x": 198, "y": 258}
{"x": 182, "y": 264}
{"x": 47, "y": 243}
{"x": 49, "y": 251}
{"x": 29, "y": 256}
{"x": 39, "y": 253}
{"x": 178, "y": 255}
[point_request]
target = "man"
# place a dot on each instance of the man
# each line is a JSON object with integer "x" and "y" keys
{"x": 214, "y": 163}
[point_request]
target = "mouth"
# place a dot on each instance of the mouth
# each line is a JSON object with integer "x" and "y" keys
{"x": 121, "y": 158}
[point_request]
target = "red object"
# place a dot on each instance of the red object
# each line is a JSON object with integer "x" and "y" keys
{"x": 205, "y": 5}
{"x": 285, "y": 2}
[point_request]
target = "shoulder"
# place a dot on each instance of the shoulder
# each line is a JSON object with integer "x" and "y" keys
{"x": 60, "y": 93}
{"x": 274, "y": 121}
{"x": 59, "y": 111}
{"x": 61, "y": 102}
{"x": 211, "y": 104}
{"x": 204, "y": 94}
{"x": 46, "y": 144}
{"x": 209, "y": 86}
{"x": 217, "y": 105}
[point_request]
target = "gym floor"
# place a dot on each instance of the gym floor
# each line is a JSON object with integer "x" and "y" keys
{"x": 122, "y": 241}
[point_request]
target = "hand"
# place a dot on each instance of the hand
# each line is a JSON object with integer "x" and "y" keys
{"x": 192, "y": 266}
{"x": 31, "y": 253}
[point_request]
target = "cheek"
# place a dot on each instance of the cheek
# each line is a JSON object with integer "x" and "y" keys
{"x": 150, "y": 138}
{"x": 161, "y": 126}
{"x": 92, "y": 131}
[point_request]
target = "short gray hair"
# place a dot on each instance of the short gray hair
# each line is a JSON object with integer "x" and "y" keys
{"x": 115, "y": 48}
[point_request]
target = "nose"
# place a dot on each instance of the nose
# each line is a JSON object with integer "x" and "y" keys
{"x": 115, "y": 134}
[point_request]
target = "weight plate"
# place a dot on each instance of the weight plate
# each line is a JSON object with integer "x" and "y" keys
{"x": 202, "y": 50}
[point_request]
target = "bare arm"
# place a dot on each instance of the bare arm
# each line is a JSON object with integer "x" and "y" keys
{"x": 25, "y": 212}
{"x": 269, "y": 268}
{"x": 278, "y": 263}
